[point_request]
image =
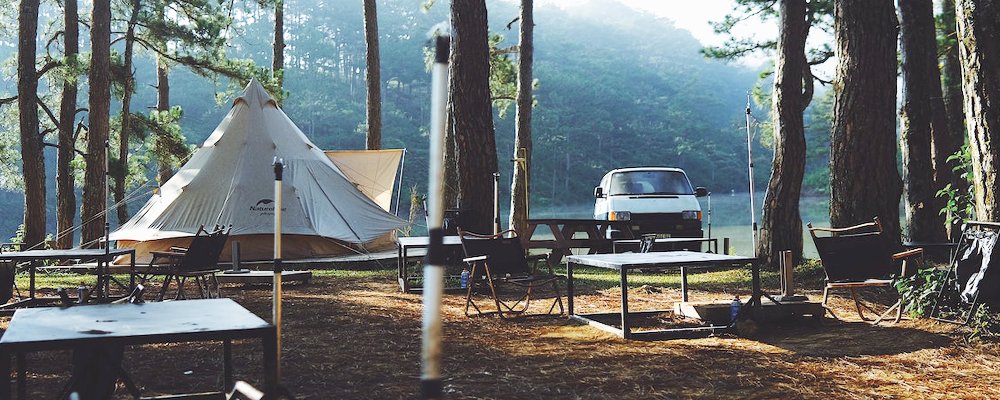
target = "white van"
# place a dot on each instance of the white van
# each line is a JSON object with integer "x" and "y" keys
{"x": 656, "y": 200}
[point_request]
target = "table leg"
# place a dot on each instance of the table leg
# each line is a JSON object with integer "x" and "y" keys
{"x": 31, "y": 281}
{"x": 400, "y": 266}
{"x": 227, "y": 365}
{"x": 22, "y": 390}
{"x": 569, "y": 288}
{"x": 755, "y": 292}
{"x": 270, "y": 344}
{"x": 684, "y": 284}
{"x": 626, "y": 331}
{"x": 131, "y": 271}
{"x": 5, "y": 368}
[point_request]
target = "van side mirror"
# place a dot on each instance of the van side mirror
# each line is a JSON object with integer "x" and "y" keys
{"x": 598, "y": 192}
{"x": 700, "y": 192}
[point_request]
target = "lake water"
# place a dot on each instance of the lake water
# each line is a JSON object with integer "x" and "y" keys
{"x": 730, "y": 218}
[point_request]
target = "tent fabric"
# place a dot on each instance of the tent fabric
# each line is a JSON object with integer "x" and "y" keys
{"x": 373, "y": 171}
{"x": 229, "y": 181}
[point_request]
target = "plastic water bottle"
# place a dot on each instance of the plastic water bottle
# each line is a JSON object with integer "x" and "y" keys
{"x": 734, "y": 309}
{"x": 464, "y": 282}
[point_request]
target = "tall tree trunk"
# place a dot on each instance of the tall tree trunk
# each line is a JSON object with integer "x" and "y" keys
{"x": 921, "y": 113}
{"x": 31, "y": 140}
{"x": 65, "y": 191}
{"x": 781, "y": 224}
{"x": 126, "y": 117}
{"x": 278, "y": 49}
{"x": 472, "y": 113}
{"x": 979, "y": 51}
{"x": 450, "y": 194}
{"x": 373, "y": 76}
{"x": 864, "y": 180}
{"x": 946, "y": 142}
{"x": 164, "y": 170}
{"x": 95, "y": 178}
{"x": 520, "y": 182}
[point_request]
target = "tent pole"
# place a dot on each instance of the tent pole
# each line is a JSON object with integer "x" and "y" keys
{"x": 753, "y": 212}
{"x": 430, "y": 371}
{"x": 399, "y": 183}
{"x": 276, "y": 284}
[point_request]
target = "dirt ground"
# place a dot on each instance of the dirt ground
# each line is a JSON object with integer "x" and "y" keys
{"x": 359, "y": 338}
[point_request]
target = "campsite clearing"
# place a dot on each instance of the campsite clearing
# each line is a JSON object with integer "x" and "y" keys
{"x": 351, "y": 334}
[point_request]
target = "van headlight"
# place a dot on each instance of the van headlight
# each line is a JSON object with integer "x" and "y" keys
{"x": 691, "y": 215}
{"x": 619, "y": 216}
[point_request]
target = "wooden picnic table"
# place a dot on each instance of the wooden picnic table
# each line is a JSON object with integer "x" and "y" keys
{"x": 566, "y": 234}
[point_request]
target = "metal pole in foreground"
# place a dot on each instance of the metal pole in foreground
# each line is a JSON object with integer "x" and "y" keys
{"x": 496, "y": 203}
{"x": 279, "y": 168}
{"x": 753, "y": 212}
{"x": 430, "y": 356}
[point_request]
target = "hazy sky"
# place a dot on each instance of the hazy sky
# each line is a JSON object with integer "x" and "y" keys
{"x": 694, "y": 16}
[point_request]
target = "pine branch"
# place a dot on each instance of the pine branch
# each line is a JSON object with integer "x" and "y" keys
{"x": 7, "y": 100}
{"x": 48, "y": 111}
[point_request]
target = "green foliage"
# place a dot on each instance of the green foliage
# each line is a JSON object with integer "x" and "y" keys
{"x": 10, "y": 155}
{"x": 920, "y": 290}
{"x": 165, "y": 141}
{"x": 959, "y": 201}
{"x": 985, "y": 324}
{"x": 503, "y": 74}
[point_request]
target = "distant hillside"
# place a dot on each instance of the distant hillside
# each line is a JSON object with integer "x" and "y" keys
{"x": 617, "y": 87}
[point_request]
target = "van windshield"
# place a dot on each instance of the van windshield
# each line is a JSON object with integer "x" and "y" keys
{"x": 650, "y": 182}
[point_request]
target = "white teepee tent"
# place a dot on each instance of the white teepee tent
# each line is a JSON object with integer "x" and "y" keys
{"x": 230, "y": 180}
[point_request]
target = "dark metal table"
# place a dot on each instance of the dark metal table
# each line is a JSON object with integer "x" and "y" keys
{"x": 55, "y": 328}
{"x": 682, "y": 260}
{"x": 619, "y": 245}
{"x": 406, "y": 243}
{"x": 103, "y": 257}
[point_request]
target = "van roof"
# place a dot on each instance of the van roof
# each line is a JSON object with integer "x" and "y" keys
{"x": 633, "y": 169}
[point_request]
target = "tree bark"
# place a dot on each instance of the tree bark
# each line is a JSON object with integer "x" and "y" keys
{"x": 864, "y": 180}
{"x": 781, "y": 223}
{"x": 979, "y": 51}
{"x": 520, "y": 182}
{"x": 373, "y": 77}
{"x": 472, "y": 113}
{"x": 278, "y": 51}
{"x": 946, "y": 142}
{"x": 95, "y": 177}
{"x": 921, "y": 113}
{"x": 31, "y": 140}
{"x": 65, "y": 190}
{"x": 128, "y": 87}
{"x": 164, "y": 170}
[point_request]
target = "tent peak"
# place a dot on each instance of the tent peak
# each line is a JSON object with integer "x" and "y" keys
{"x": 254, "y": 94}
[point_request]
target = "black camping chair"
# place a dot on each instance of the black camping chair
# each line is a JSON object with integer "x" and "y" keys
{"x": 973, "y": 277}
{"x": 859, "y": 257}
{"x": 198, "y": 261}
{"x": 496, "y": 261}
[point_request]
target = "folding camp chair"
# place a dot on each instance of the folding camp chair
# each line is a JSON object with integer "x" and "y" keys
{"x": 198, "y": 261}
{"x": 859, "y": 257}
{"x": 496, "y": 261}
{"x": 972, "y": 279}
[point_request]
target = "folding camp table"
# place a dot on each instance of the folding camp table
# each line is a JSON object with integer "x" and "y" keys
{"x": 57, "y": 328}
{"x": 681, "y": 260}
{"x": 103, "y": 257}
{"x": 405, "y": 244}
